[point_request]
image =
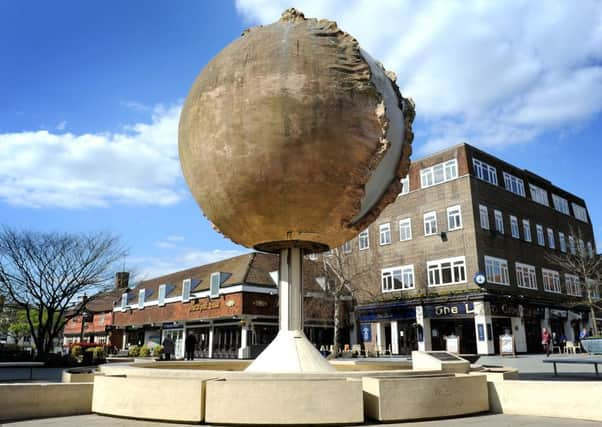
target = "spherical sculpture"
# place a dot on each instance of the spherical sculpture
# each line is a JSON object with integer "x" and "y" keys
{"x": 294, "y": 136}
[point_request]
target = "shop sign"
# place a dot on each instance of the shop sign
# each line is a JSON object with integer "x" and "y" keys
{"x": 205, "y": 305}
{"x": 504, "y": 309}
{"x": 260, "y": 303}
{"x": 534, "y": 312}
{"x": 558, "y": 313}
{"x": 449, "y": 310}
{"x": 395, "y": 313}
{"x": 366, "y": 331}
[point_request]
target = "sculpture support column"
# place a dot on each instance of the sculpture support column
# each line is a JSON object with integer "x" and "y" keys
{"x": 290, "y": 351}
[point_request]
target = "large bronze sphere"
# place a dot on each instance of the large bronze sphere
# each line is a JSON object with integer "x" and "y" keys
{"x": 293, "y": 135}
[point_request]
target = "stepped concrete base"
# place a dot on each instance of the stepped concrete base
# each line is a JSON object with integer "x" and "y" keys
{"x": 284, "y": 402}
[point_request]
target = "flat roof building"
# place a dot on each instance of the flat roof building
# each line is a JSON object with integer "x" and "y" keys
{"x": 462, "y": 253}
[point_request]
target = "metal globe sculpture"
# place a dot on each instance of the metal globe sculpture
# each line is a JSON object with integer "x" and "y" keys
{"x": 294, "y": 136}
{"x": 294, "y": 139}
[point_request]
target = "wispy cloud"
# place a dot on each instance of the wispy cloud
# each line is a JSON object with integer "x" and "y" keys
{"x": 136, "y": 166}
{"x": 170, "y": 242}
{"x": 136, "y": 106}
{"x": 149, "y": 267}
{"x": 491, "y": 73}
{"x": 61, "y": 126}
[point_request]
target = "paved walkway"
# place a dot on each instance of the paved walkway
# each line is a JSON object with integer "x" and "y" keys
{"x": 481, "y": 420}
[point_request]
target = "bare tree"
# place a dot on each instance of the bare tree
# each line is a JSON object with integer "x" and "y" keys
{"x": 587, "y": 266}
{"x": 43, "y": 273}
{"x": 346, "y": 275}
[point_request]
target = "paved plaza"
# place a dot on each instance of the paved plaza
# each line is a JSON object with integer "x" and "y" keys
{"x": 480, "y": 420}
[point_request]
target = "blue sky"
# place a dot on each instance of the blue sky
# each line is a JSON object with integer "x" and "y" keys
{"x": 90, "y": 94}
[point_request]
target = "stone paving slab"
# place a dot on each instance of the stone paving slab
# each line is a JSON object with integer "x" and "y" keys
{"x": 481, "y": 420}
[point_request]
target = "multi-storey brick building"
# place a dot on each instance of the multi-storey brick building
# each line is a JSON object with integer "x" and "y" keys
{"x": 462, "y": 217}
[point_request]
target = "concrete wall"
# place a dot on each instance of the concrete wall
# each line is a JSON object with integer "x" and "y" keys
{"x": 27, "y": 401}
{"x": 161, "y": 398}
{"x": 563, "y": 399}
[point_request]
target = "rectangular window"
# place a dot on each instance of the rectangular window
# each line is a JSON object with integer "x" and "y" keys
{"x": 499, "y": 221}
{"x": 562, "y": 242}
{"x": 551, "y": 242}
{"x": 186, "y": 285}
{"x": 539, "y": 195}
{"x": 405, "y": 185}
{"x": 484, "y": 216}
{"x": 384, "y": 231}
{"x": 540, "y": 237}
{"x": 430, "y": 223}
{"x": 590, "y": 250}
{"x": 551, "y": 280}
{"x": 405, "y": 229}
{"x": 525, "y": 276}
{"x": 560, "y": 204}
{"x": 454, "y": 218}
{"x": 439, "y": 173}
{"x": 526, "y": 230}
{"x": 449, "y": 271}
{"x": 496, "y": 270}
{"x": 124, "y": 300}
{"x": 364, "y": 240}
{"x": 485, "y": 171}
{"x": 141, "y": 298}
{"x": 215, "y": 284}
{"x": 397, "y": 278}
{"x": 572, "y": 285}
{"x": 581, "y": 248}
{"x": 161, "y": 298}
{"x": 572, "y": 245}
{"x": 580, "y": 212}
{"x": 347, "y": 247}
{"x": 514, "y": 227}
{"x": 514, "y": 184}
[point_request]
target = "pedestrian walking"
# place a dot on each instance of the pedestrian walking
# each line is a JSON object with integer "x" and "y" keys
{"x": 190, "y": 345}
{"x": 546, "y": 341}
{"x": 168, "y": 347}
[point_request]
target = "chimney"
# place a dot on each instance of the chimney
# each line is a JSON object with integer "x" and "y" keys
{"x": 122, "y": 280}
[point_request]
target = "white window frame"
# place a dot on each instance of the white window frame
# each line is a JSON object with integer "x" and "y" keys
{"x": 384, "y": 234}
{"x": 124, "y": 300}
{"x": 484, "y": 217}
{"x": 514, "y": 227}
{"x": 541, "y": 240}
{"x": 581, "y": 247}
{"x": 491, "y": 265}
{"x": 448, "y": 171}
{"x": 141, "y": 298}
{"x": 215, "y": 284}
{"x": 401, "y": 273}
{"x": 161, "y": 296}
{"x": 186, "y": 289}
{"x": 539, "y": 195}
{"x": 580, "y": 212}
{"x": 499, "y": 221}
{"x": 405, "y": 185}
{"x": 560, "y": 204}
{"x": 484, "y": 171}
{"x": 456, "y": 263}
{"x": 514, "y": 184}
{"x": 526, "y": 276}
{"x": 405, "y": 223}
{"x": 561, "y": 242}
{"x": 551, "y": 239}
{"x": 573, "y": 286}
{"x": 527, "y": 231}
{"x": 431, "y": 217}
{"x": 590, "y": 249}
{"x": 363, "y": 240}
{"x": 454, "y": 218}
{"x": 347, "y": 247}
{"x": 551, "y": 281}
{"x": 572, "y": 246}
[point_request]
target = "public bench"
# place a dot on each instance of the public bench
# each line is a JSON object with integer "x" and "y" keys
{"x": 30, "y": 365}
{"x": 577, "y": 361}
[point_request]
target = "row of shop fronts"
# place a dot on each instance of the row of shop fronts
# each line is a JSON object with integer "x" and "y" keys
{"x": 467, "y": 327}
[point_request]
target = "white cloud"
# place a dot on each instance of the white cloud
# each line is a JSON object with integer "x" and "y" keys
{"x": 170, "y": 241}
{"x": 149, "y": 267}
{"x": 491, "y": 73}
{"x": 136, "y": 166}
